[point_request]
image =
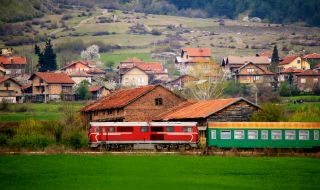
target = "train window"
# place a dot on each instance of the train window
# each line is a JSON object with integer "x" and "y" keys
{"x": 144, "y": 129}
{"x": 316, "y": 135}
{"x": 290, "y": 135}
{"x": 213, "y": 134}
{"x": 111, "y": 129}
{"x": 225, "y": 134}
{"x": 170, "y": 129}
{"x": 253, "y": 134}
{"x": 156, "y": 129}
{"x": 97, "y": 129}
{"x": 264, "y": 135}
{"x": 276, "y": 134}
{"x": 239, "y": 134}
{"x": 187, "y": 129}
{"x": 103, "y": 130}
{"x": 125, "y": 129}
{"x": 303, "y": 135}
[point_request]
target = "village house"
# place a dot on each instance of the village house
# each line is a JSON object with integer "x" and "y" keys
{"x": 233, "y": 63}
{"x": 10, "y": 90}
{"x": 293, "y": 61}
{"x": 49, "y": 86}
{"x": 14, "y": 65}
{"x": 179, "y": 82}
{"x": 99, "y": 92}
{"x": 2, "y": 71}
{"x": 192, "y": 56}
{"x": 312, "y": 59}
{"x": 288, "y": 74}
{"x": 135, "y": 77}
{"x": 155, "y": 71}
{"x": 251, "y": 73}
{"x": 79, "y": 76}
{"x": 88, "y": 67}
{"x": 137, "y": 104}
{"x": 204, "y": 111}
{"x": 308, "y": 79}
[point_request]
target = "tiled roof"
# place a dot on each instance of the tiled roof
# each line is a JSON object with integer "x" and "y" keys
{"x": 96, "y": 71}
{"x": 50, "y": 77}
{"x": 132, "y": 60}
{"x": 266, "y": 72}
{"x": 94, "y": 88}
{"x": 5, "y": 60}
{"x": 2, "y": 69}
{"x": 198, "y": 52}
{"x": 155, "y": 67}
{"x": 119, "y": 98}
{"x": 79, "y": 74}
{"x": 2, "y": 79}
{"x": 85, "y": 63}
{"x": 312, "y": 56}
{"x": 244, "y": 59}
{"x": 317, "y": 66}
{"x": 309, "y": 72}
{"x": 199, "y": 60}
{"x": 291, "y": 70}
{"x": 266, "y": 54}
{"x": 184, "y": 78}
{"x": 200, "y": 109}
{"x": 288, "y": 59}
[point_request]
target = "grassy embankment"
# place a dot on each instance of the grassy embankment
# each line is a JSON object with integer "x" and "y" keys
{"x": 42, "y": 112}
{"x": 157, "y": 172}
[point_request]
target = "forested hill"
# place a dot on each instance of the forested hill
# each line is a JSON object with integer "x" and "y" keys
{"x": 278, "y": 11}
{"x": 275, "y": 11}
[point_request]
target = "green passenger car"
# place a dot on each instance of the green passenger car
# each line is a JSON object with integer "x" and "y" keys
{"x": 263, "y": 135}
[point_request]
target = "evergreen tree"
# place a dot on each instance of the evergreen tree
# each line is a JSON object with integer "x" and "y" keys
{"x": 274, "y": 60}
{"x": 47, "y": 58}
{"x": 37, "y": 50}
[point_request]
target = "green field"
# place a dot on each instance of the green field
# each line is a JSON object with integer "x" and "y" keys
{"x": 43, "y": 112}
{"x": 117, "y": 57}
{"x": 157, "y": 172}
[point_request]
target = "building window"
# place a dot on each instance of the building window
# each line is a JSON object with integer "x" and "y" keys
{"x": 303, "y": 80}
{"x": 7, "y": 84}
{"x": 239, "y": 134}
{"x": 95, "y": 113}
{"x": 187, "y": 129}
{"x": 250, "y": 70}
{"x": 225, "y": 134}
{"x": 316, "y": 135}
{"x": 276, "y": 134}
{"x": 315, "y": 80}
{"x": 144, "y": 129}
{"x": 97, "y": 130}
{"x": 264, "y": 135}
{"x": 170, "y": 129}
{"x": 125, "y": 129}
{"x": 290, "y": 135}
{"x": 298, "y": 61}
{"x": 158, "y": 102}
{"x": 213, "y": 134}
{"x": 110, "y": 112}
{"x": 103, "y": 130}
{"x": 253, "y": 134}
{"x": 255, "y": 78}
{"x": 111, "y": 129}
{"x": 303, "y": 135}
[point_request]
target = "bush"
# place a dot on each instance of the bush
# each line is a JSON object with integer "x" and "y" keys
{"x": 31, "y": 134}
{"x": 100, "y": 33}
{"x": 5, "y": 105}
{"x": 306, "y": 114}
{"x": 284, "y": 89}
{"x": 269, "y": 113}
{"x": 76, "y": 139}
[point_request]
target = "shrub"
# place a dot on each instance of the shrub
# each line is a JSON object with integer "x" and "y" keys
{"x": 284, "y": 89}
{"x": 76, "y": 139}
{"x": 31, "y": 134}
{"x": 306, "y": 114}
{"x": 269, "y": 113}
{"x": 3, "y": 139}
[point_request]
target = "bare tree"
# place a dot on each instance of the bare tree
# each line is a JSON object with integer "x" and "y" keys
{"x": 210, "y": 84}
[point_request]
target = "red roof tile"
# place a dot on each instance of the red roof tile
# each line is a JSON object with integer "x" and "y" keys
{"x": 198, "y": 52}
{"x": 81, "y": 62}
{"x": 50, "y": 77}
{"x": 94, "y": 88}
{"x": 155, "y": 67}
{"x": 13, "y": 60}
{"x": 291, "y": 70}
{"x": 288, "y": 59}
{"x": 266, "y": 54}
{"x": 199, "y": 60}
{"x": 2, "y": 79}
{"x": 200, "y": 109}
{"x": 119, "y": 99}
{"x": 309, "y": 72}
{"x": 312, "y": 56}
{"x": 132, "y": 60}
{"x": 96, "y": 71}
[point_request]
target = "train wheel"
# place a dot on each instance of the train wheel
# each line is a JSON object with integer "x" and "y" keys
{"x": 158, "y": 147}
{"x": 182, "y": 147}
{"x": 187, "y": 147}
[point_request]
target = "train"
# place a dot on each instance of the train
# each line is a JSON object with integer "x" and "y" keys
{"x": 185, "y": 135}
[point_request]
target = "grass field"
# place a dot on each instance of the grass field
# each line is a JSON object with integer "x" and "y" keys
{"x": 43, "y": 112}
{"x": 117, "y": 57}
{"x": 157, "y": 172}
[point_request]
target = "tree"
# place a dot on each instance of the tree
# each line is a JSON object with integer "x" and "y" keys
{"x": 210, "y": 84}
{"x": 109, "y": 64}
{"x": 269, "y": 113}
{"x": 83, "y": 91}
{"x": 47, "y": 58}
{"x": 37, "y": 50}
{"x": 91, "y": 53}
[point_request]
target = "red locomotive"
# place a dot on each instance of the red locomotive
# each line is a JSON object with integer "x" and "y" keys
{"x": 164, "y": 135}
